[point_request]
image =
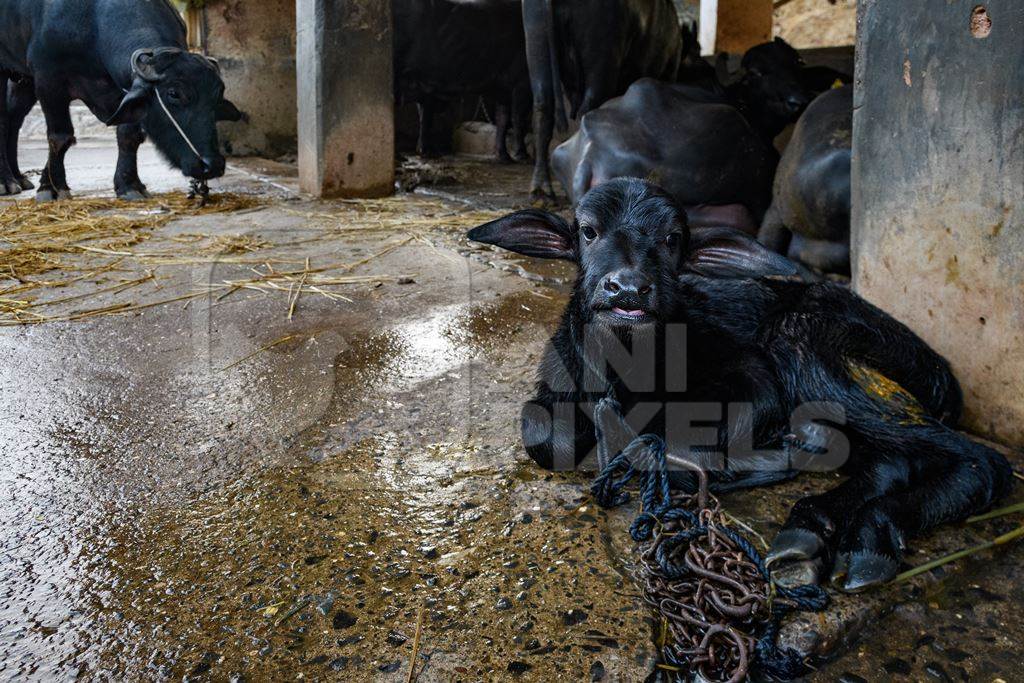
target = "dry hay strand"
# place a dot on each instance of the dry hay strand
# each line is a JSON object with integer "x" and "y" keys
{"x": 38, "y": 238}
{"x": 235, "y": 244}
{"x": 72, "y": 236}
{"x": 308, "y": 280}
{"x": 400, "y": 213}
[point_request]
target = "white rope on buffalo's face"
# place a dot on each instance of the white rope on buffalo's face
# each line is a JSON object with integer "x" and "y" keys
{"x": 197, "y": 188}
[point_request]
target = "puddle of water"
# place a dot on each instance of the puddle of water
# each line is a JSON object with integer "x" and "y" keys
{"x": 324, "y": 568}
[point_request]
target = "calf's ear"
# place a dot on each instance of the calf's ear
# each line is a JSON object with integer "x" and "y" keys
{"x": 730, "y": 253}
{"x": 227, "y": 111}
{"x": 133, "y": 105}
{"x": 531, "y": 232}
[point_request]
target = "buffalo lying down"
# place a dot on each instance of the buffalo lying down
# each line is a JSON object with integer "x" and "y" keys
{"x": 712, "y": 149}
{"x": 690, "y": 141}
{"x": 809, "y": 375}
{"x": 128, "y": 62}
{"x": 810, "y": 213}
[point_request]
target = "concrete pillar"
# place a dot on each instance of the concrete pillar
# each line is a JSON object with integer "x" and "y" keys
{"x": 735, "y": 25}
{"x": 254, "y": 43}
{"x": 938, "y": 188}
{"x": 345, "y": 98}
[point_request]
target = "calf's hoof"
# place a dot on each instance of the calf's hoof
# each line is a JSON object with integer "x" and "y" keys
{"x": 25, "y": 183}
{"x": 859, "y": 570}
{"x": 48, "y": 194}
{"x": 869, "y": 553}
{"x": 797, "y": 557}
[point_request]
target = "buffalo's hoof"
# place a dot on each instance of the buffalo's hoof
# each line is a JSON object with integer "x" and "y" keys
{"x": 503, "y": 158}
{"x": 48, "y": 194}
{"x": 857, "y": 571}
{"x": 797, "y": 557}
{"x": 522, "y": 157}
{"x": 799, "y": 573}
{"x": 10, "y": 186}
{"x": 543, "y": 198}
{"x": 133, "y": 194}
{"x": 869, "y": 552}
{"x": 25, "y": 183}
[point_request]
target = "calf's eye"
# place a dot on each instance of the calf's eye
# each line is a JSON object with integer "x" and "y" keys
{"x": 589, "y": 234}
{"x": 672, "y": 240}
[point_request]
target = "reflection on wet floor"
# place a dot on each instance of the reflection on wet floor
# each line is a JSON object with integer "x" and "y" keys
{"x": 324, "y": 568}
{"x": 398, "y": 487}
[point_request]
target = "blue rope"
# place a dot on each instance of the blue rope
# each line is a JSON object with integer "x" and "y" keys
{"x": 645, "y": 459}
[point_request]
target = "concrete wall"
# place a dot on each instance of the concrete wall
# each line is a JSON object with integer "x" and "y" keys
{"x": 938, "y": 189}
{"x": 254, "y": 41}
{"x": 742, "y": 24}
{"x": 817, "y": 23}
{"x": 345, "y": 98}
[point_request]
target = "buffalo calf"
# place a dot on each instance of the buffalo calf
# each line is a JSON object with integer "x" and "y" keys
{"x": 706, "y": 340}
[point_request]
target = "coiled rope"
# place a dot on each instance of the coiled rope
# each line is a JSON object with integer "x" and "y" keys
{"x": 720, "y": 612}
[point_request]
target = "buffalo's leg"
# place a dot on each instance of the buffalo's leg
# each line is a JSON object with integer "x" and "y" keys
{"x": 8, "y": 183}
{"x": 501, "y": 125}
{"x": 773, "y": 233}
{"x": 126, "y": 177}
{"x": 520, "y": 122}
{"x": 60, "y": 134}
{"x": 828, "y": 257}
{"x": 803, "y": 550}
{"x": 543, "y": 129}
{"x": 612, "y": 432}
{"x": 916, "y": 477}
{"x": 958, "y": 478}
{"x": 876, "y": 340}
{"x": 425, "y": 145}
{"x": 21, "y": 97}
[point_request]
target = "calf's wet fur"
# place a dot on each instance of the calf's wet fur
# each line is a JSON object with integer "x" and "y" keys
{"x": 760, "y": 346}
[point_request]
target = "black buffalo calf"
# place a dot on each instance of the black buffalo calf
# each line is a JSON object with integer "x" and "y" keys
{"x": 789, "y": 375}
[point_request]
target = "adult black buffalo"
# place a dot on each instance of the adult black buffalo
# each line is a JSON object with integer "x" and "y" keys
{"x": 592, "y": 50}
{"x": 128, "y": 62}
{"x": 445, "y": 49}
{"x": 810, "y": 213}
{"x": 712, "y": 149}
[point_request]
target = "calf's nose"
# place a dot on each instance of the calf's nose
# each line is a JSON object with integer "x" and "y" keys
{"x": 628, "y": 283}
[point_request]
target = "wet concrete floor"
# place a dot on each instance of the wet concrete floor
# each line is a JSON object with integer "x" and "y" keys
{"x": 216, "y": 492}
